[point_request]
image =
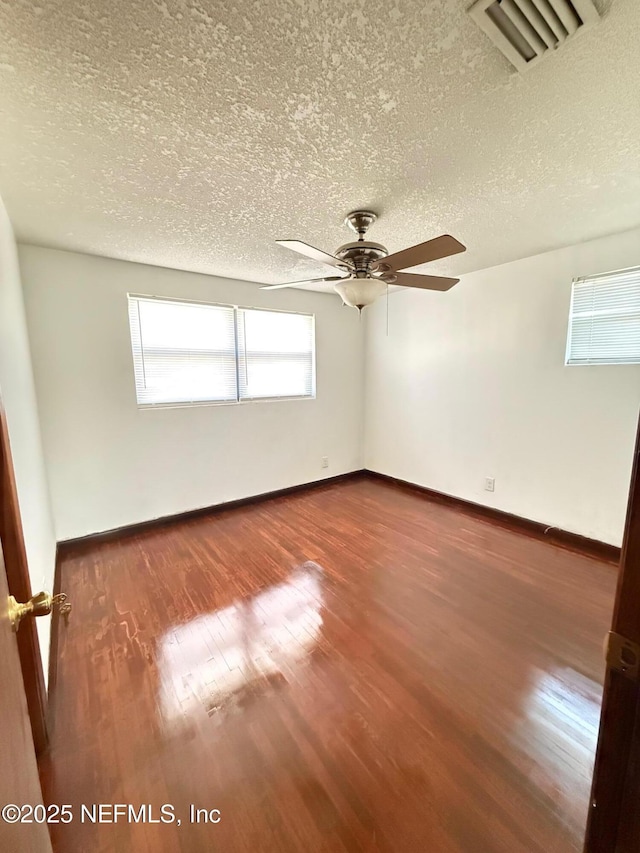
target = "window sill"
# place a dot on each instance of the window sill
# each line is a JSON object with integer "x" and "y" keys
{"x": 145, "y": 407}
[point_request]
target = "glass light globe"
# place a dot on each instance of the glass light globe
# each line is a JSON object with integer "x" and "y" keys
{"x": 360, "y": 292}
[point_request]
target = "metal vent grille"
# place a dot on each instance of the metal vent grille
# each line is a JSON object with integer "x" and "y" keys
{"x": 527, "y": 30}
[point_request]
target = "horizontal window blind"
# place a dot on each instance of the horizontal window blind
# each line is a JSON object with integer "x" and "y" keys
{"x": 604, "y": 320}
{"x": 188, "y": 352}
{"x": 275, "y": 354}
{"x": 183, "y": 352}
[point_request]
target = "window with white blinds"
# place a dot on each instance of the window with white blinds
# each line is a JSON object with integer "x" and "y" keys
{"x": 275, "y": 354}
{"x": 190, "y": 352}
{"x": 604, "y": 320}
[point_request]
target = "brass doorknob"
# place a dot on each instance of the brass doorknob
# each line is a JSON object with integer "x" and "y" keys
{"x": 39, "y": 604}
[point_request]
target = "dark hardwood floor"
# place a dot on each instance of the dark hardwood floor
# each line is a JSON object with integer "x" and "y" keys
{"x": 352, "y": 668}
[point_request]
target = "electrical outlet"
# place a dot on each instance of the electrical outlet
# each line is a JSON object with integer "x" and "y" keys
{"x": 324, "y": 462}
{"x": 490, "y": 484}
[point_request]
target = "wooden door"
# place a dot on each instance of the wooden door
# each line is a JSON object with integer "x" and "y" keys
{"x": 19, "y": 782}
{"x": 614, "y": 817}
{"x": 17, "y": 572}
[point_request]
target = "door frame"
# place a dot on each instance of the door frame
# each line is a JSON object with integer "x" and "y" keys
{"x": 613, "y": 824}
{"x": 17, "y": 570}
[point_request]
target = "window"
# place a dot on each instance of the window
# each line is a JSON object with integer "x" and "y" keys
{"x": 192, "y": 352}
{"x": 604, "y": 320}
{"x": 275, "y": 354}
{"x": 183, "y": 352}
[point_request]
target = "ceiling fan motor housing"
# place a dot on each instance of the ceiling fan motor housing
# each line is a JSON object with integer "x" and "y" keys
{"x": 361, "y": 254}
{"x": 360, "y": 289}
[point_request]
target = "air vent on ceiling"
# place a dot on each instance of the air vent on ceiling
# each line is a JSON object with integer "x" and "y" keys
{"x": 527, "y": 30}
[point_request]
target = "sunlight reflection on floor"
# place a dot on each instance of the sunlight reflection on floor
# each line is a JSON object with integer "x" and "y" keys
{"x": 212, "y": 663}
{"x": 559, "y": 732}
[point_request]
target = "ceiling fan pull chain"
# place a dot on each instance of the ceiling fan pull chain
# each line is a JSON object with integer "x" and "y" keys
{"x": 387, "y": 309}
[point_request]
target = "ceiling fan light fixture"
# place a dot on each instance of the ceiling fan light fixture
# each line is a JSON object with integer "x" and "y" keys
{"x": 360, "y": 292}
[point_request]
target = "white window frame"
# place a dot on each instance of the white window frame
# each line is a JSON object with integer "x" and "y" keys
{"x": 594, "y": 362}
{"x": 239, "y": 400}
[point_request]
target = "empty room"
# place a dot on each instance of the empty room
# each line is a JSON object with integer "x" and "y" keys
{"x": 319, "y": 444}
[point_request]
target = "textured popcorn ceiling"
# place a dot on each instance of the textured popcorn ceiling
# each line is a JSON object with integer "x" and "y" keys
{"x": 193, "y": 133}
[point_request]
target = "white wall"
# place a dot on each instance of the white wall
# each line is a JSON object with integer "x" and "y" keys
{"x": 472, "y": 383}
{"x": 19, "y": 401}
{"x": 112, "y": 464}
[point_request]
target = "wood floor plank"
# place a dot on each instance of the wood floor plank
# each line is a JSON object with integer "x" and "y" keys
{"x": 353, "y": 668}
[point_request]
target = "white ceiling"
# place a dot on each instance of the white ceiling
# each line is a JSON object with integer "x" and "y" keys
{"x": 193, "y": 133}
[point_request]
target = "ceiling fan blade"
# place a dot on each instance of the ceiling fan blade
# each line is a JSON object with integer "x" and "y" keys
{"x": 432, "y": 250}
{"x": 426, "y": 282}
{"x": 304, "y": 281}
{"x": 313, "y": 253}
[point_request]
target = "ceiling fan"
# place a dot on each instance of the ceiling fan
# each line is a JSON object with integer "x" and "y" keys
{"x": 367, "y": 268}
